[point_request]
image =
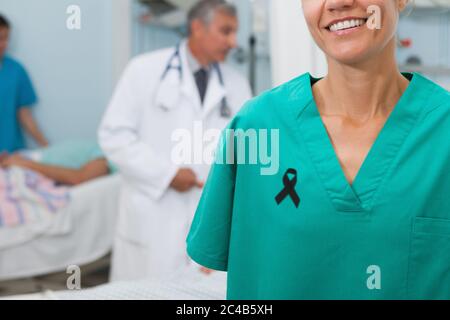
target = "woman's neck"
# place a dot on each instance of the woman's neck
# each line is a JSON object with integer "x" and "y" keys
{"x": 361, "y": 92}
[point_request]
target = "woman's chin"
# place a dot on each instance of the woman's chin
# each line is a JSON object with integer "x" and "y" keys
{"x": 350, "y": 57}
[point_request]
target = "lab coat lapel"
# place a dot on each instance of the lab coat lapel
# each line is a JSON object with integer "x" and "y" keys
{"x": 215, "y": 93}
{"x": 188, "y": 85}
{"x": 168, "y": 93}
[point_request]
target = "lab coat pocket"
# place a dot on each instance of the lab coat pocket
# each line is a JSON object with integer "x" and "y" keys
{"x": 429, "y": 259}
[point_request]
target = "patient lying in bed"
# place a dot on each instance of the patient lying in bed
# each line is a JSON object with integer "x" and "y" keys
{"x": 70, "y": 163}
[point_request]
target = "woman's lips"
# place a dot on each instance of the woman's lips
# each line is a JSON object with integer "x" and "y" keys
{"x": 346, "y": 26}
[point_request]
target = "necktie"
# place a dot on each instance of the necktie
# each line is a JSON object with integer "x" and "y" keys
{"x": 201, "y": 79}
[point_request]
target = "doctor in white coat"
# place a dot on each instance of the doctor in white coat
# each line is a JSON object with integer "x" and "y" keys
{"x": 180, "y": 89}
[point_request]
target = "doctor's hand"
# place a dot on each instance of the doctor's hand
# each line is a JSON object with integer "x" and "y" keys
{"x": 185, "y": 180}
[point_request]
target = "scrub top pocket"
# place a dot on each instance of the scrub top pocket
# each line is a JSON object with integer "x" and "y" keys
{"x": 429, "y": 260}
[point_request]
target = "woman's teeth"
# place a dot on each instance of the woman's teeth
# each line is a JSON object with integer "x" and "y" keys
{"x": 347, "y": 24}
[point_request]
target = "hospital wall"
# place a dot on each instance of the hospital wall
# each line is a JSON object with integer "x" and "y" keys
{"x": 429, "y": 33}
{"x": 74, "y": 71}
{"x": 293, "y": 50}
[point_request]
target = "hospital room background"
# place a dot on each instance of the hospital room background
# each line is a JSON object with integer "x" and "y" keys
{"x": 75, "y": 72}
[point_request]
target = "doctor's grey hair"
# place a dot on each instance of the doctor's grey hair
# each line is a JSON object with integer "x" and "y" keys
{"x": 204, "y": 10}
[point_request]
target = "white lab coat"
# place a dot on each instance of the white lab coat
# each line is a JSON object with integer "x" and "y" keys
{"x": 135, "y": 135}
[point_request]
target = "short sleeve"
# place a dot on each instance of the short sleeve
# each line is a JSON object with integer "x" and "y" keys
{"x": 26, "y": 95}
{"x": 209, "y": 237}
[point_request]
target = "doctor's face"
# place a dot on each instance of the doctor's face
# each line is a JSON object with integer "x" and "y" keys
{"x": 4, "y": 39}
{"x": 349, "y": 34}
{"x": 218, "y": 37}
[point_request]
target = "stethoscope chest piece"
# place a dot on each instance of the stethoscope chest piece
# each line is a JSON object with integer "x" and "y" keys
{"x": 225, "y": 111}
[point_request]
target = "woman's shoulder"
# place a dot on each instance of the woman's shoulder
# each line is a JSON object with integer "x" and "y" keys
{"x": 438, "y": 98}
{"x": 273, "y": 105}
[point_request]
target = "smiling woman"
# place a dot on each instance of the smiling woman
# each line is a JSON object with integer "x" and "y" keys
{"x": 371, "y": 152}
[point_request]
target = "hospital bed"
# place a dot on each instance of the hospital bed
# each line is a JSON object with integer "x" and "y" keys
{"x": 187, "y": 285}
{"x": 86, "y": 229}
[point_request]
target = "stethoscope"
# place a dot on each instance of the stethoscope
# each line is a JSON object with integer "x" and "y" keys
{"x": 175, "y": 63}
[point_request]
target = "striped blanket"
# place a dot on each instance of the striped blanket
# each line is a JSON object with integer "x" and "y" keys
{"x": 28, "y": 202}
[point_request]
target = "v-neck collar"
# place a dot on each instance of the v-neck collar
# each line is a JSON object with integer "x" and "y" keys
{"x": 359, "y": 196}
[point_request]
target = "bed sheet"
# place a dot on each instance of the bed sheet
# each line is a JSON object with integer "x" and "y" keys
{"x": 92, "y": 214}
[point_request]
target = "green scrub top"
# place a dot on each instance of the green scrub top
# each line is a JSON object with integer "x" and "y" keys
{"x": 306, "y": 233}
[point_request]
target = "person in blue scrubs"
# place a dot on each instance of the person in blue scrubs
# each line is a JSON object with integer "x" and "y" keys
{"x": 360, "y": 205}
{"x": 17, "y": 96}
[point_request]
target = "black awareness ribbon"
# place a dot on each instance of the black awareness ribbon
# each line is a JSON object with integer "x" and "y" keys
{"x": 289, "y": 188}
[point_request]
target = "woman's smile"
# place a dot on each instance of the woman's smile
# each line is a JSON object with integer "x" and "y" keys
{"x": 345, "y": 26}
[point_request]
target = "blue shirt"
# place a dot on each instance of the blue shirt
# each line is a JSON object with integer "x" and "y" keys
{"x": 16, "y": 91}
